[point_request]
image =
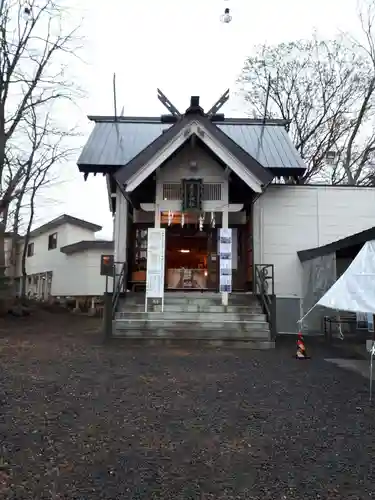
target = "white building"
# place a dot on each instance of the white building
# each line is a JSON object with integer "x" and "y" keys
{"x": 63, "y": 259}
{"x": 230, "y": 166}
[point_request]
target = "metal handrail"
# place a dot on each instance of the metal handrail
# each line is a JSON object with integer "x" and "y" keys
{"x": 265, "y": 287}
{"x": 118, "y": 286}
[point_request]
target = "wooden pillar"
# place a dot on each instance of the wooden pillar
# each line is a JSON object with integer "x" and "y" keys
{"x": 225, "y": 225}
{"x": 121, "y": 227}
{"x": 157, "y": 215}
{"x": 158, "y": 198}
{"x": 121, "y": 234}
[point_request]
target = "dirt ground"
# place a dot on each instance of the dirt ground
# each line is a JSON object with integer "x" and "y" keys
{"x": 80, "y": 420}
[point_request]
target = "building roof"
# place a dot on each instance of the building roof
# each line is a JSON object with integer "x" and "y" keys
{"x": 131, "y": 168}
{"x": 11, "y": 234}
{"x": 83, "y": 245}
{"x": 341, "y": 244}
{"x": 65, "y": 219}
{"x": 115, "y": 143}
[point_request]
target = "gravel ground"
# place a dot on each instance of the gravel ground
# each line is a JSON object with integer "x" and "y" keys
{"x": 82, "y": 421}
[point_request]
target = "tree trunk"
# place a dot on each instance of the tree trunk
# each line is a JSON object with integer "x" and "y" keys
{"x": 15, "y": 241}
{"x": 2, "y": 252}
{"x": 5, "y": 290}
{"x": 26, "y": 244}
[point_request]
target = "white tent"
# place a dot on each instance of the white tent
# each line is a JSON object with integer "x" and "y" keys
{"x": 354, "y": 291}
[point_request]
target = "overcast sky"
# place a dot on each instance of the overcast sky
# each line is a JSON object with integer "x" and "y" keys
{"x": 181, "y": 47}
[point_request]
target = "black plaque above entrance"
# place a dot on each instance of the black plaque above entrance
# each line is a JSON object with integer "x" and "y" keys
{"x": 192, "y": 191}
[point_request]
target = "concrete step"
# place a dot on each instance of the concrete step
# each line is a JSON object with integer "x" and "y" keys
{"x": 195, "y": 294}
{"x": 194, "y": 317}
{"x": 207, "y": 335}
{"x": 211, "y": 300}
{"x": 229, "y": 343}
{"x": 191, "y": 316}
{"x": 202, "y": 302}
{"x": 212, "y": 329}
{"x": 192, "y": 297}
{"x": 174, "y": 308}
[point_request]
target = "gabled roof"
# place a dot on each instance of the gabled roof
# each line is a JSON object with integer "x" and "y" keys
{"x": 132, "y": 168}
{"x": 83, "y": 245}
{"x": 65, "y": 219}
{"x": 115, "y": 142}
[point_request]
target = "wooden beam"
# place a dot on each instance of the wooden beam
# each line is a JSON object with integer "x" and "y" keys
{"x": 219, "y": 103}
{"x": 167, "y": 103}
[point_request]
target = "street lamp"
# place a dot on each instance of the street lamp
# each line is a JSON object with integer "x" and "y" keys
{"x": 26, "y": 13}
{"x": 226, "y": 17}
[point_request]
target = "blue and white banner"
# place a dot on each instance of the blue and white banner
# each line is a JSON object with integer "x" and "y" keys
{"x": 225, "y": 253}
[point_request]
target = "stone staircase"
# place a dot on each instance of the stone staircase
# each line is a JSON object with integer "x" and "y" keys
{"x": 195, "y": 317}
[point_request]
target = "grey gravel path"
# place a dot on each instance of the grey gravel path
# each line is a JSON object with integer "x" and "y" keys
{"x": 81, "y": 421}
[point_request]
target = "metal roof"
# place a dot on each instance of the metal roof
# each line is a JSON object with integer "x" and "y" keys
{"x": 117, "y": 143}
{"x": 350, "y": 241}
{"x": 83, "y": 245}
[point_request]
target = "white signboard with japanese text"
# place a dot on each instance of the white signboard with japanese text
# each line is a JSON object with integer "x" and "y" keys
{"x": 155, "y": 265}
{"x": 225, "y": 253}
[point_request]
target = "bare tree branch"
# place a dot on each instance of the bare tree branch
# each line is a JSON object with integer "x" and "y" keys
{"x": 34, "y": 53}
{"x": 326, "y": 90}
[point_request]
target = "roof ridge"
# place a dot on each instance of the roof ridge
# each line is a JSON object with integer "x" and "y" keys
{"x": 65, "y": 219}
{"x": 157, "y": 120}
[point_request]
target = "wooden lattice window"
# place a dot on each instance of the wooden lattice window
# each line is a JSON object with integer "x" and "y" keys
{"x": 172, "y": 191}
{"x": 212, "y": 192}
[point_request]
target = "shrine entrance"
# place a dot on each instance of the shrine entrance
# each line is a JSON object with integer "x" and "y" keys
{"x": 191, "y": 260}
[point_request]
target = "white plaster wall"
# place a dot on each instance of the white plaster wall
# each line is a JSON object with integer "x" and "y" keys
{"x": 70, "y": 275}
{"x": 80, "y": 275}
{"x": 292, "y": 218}
{"x": 72, "y": 234}
{"x": 47, "y": 260}
{"x": 44, "y": 259}
{"x": 95, "y": 282}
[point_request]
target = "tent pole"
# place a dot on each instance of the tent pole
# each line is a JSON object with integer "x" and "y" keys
{"x": 308, "y": 312}
{"x": 371, "y": 359}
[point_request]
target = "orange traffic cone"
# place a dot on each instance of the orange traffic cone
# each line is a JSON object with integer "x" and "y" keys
{"x": 301, "y": 349}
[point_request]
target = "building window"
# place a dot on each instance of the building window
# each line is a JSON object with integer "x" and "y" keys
{"x": 172, "y": 191}
{"x": 30, "y": 249}
{"x": 211, "y": 191}
{"x": 52, "y": 241}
